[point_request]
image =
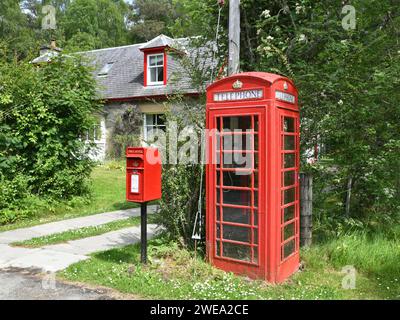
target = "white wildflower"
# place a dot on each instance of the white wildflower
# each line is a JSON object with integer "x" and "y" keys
{"x": 270, "y": 38}
{"x": 266, "y": 14}
{"x": 340, "y": 102}
{"x": 302, "y": 37}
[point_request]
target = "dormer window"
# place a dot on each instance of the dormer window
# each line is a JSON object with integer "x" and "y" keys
{"x": 155, "y": 69}
{"x": 106, "y": 69}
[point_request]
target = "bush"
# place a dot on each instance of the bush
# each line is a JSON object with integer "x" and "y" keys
{"x": 43, "y": 115}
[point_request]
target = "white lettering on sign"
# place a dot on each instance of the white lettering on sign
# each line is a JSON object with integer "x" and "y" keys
{"x": 135, "y": 183}
{"x": 285, "y": 96}
{"x": 238, "y": 95}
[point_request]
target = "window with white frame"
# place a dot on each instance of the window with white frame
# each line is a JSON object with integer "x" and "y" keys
{"x": 153, "y": 122}
{"x": 155, "y": 69}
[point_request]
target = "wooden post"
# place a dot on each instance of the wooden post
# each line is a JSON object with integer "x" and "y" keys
{"x": 234, "y": 37}
{"x": 306, "y": 197}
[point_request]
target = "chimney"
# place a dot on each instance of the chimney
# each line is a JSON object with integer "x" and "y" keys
{"x": 53, "y": 44}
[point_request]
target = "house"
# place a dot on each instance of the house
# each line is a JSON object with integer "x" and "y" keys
{"x": 133, "y": 81}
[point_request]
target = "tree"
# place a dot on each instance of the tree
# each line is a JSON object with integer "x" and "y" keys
{"x": 95, "y": 24}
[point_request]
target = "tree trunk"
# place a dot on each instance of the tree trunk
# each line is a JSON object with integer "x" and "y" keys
{"x": 348, "y": 196}
{"x": 306, "y": 198}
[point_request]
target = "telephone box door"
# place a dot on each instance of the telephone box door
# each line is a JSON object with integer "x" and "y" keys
{"x": 236, "y": 190}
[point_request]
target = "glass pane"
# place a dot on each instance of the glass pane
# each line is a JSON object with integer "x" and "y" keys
{"x": 255, "y": 179}
{"x": 255, "y": 198}
{"x": 160, "y": 71}
{"x": 288, "y": 248}
{"x": 239, "y": 141}
{"x": 160, "y": 60}
{"x": 288, "y": 213}
{"x": 237, "y": 160}
{"x": 289, "y": 143}
{"x": 237, "y": 197}
{"x": 289, "y": 160}
{"x": 232, "y": 179}
{"x": 289, "y": 196}
{"x": 255, "y": 255}
{"x": 255, "y": 236}
{"x": 218, "y": 230}
{"x": 289, "y": 178}
{"x": 218, "y": 212}
{"x": 235, "y": 233}
{"x": 237, "y": 215}
{"x": 255, "y": 123}
{"x": 238, "y": 123}
{"x": 153, "y": 60}
{"x": 255, "y": 217}
{"x": 236, "y": 251}
{"x": 288, "y": 124}
{"x": 288, "y": 231}
{"x": 218, "y": 248}
{"x": 153, "y": 74}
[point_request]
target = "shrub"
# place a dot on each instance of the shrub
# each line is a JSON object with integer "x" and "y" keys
{"x": 43, "y": 115}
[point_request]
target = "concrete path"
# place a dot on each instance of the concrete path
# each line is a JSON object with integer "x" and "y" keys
{"x": 19, "y": 285}
{"x": 54, "y": 258}
{"x": 70, "y": 224}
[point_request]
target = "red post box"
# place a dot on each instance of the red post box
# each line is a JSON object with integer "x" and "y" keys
{"x": 253, "y": 176}
{"x": 143, "y": 174}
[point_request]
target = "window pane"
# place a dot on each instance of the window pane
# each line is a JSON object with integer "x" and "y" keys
{"x": 237, "y": 197}
{"x": 153, "y": 74}
{"x": 160, "y": 60}
{"x": 160, "y": 74}
{"x": 231, "y": 179}
{"x": 237, "y": 160}
{"x": 240, "y": 142}
{"x": 289, "y": 196}
{"x": 217, "y": 248}
{"x": 288, "y": 249}
{"x": 289, "y": 178}
{"x": 235, "y": 233}
{"x": 153, "y": 60}
{"x": 255, "y": 236}
{"x": 289, "y": 160}
{"x": 236, "y": 215}
{"x": 289, "y": 143}
{"x": 288, "y": 213}
{"x": 288, "y": 231}
{"x": 237, "y": 123}
{"x": 236, "y": 251}
{"x": 288, "y": 124}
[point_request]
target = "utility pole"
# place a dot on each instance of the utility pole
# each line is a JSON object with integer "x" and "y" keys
{"x": 234, "y": 37}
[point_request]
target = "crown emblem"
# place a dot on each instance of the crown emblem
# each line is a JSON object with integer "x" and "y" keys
{"x": 237, "y": 84}
{"x": 285, "y": 86}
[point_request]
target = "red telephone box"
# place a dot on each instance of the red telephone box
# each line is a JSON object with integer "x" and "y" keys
{"x": 253, "y": 176}
{"x": 143, "y": 174}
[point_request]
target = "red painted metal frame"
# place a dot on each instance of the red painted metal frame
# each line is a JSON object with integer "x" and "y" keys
{"x": 271, "y": 265}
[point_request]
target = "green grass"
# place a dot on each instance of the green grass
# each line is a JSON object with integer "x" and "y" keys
{"x": 63, "y": 237}
{"x": 108, "y": 194}
{"x": 174, "y": 273}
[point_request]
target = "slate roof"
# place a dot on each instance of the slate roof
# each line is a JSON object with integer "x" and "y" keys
{"x": 125, "y": 78}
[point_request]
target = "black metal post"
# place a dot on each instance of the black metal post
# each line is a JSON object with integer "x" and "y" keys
{"x": 143, "y": 237}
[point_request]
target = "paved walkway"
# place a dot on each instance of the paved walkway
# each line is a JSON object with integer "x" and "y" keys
{"x": 70, "y": 224}
{"x": 21, "y": 285}
{"x": 54, "y": 258}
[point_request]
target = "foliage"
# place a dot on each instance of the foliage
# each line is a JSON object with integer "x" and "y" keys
{"x": 182, "y": 172}
{"x": 125, "y": 133}
{"x": 107, "y": 193}
{"x": 175, "y": 273}
{"x": 43, "y": 116}
{"x": 347, "y": 81}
